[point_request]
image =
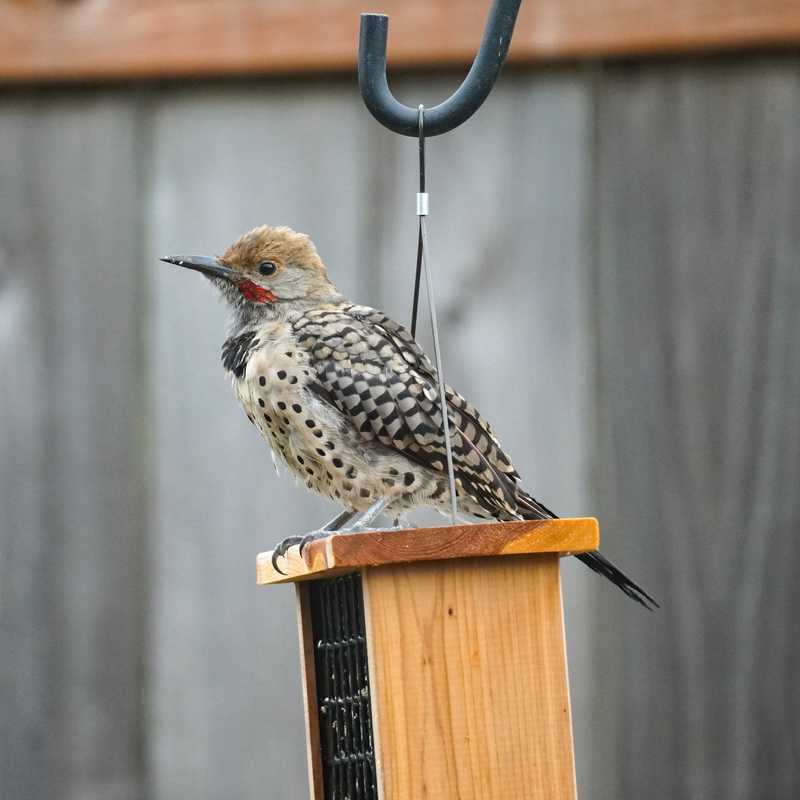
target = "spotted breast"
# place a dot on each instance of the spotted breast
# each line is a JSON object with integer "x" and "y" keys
{"x": 349, "y": 403}
{"x": 275, "y": 380}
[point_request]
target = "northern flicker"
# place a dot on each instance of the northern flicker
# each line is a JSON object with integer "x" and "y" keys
{"x": 347, "y": 399}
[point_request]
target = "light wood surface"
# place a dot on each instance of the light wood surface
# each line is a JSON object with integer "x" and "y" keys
{"x": 156, "y": 38}
{"x": 469, "y": 680}
{"x": 342, "y": 551}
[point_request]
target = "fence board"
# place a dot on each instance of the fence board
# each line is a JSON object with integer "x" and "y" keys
{"x": 699, "y": 317}
{"x": 509, "y": 203}
{"x": 225, "y": 691}
{"x": 70, "y": 498}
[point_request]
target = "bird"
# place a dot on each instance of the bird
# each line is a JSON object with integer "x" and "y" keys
{"x": 349, "y": 401}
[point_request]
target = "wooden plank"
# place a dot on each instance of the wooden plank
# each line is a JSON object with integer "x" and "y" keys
{"x": 224, "y": 674}
{"x": 698, "y": 294}
{"x": 308, "y": 672}
{"x": 355, "y": 550}
{"x": 468, "y": 679}
{"x": 151, "y": 38}
{"x": 509, "y": 229}
{"x": 24, "y": 535}
{"x": 71, "y": 502}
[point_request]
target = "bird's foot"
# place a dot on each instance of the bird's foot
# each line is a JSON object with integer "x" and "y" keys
{"x": 361, "y": 521}
{"x": 359, "y": 528}
{"x": 282, "y": 548}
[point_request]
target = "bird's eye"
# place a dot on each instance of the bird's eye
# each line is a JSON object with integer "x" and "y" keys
{"x": 267, "y": 267}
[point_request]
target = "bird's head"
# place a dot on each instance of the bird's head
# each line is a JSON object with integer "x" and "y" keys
{"x": 267, "y": 267}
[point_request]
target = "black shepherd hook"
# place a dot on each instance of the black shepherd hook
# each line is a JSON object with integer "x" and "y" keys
{"x": 462, "y": 104}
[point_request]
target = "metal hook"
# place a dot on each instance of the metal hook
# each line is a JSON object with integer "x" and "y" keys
{"x": 462, "y": 104}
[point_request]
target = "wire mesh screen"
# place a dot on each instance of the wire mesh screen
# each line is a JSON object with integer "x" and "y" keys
{"x": 343, "y": 698}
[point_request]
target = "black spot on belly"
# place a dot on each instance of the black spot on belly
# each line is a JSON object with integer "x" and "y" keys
{"x": 364, "y": 492}
{"x": 261, "y": 402}
{"x": 262, "y": 381}
{"x": 408, "y": 478}
{"x": 318, "y": 433}
{"x": 281, "y": 405}
{"x": 351, "y": 472}
{"x": 297, "y": 408}
{"x": 310, "y": 423}
{"x": 282, "y": 374}
{"x": 338, "y": 463}
{"x": 320, "y": 452}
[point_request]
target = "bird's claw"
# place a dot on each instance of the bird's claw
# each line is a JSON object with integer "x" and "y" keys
{"x": 312, "y": 537}
{"x": 283, "y": 547}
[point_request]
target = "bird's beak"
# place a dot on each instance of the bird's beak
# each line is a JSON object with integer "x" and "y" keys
{"x": 208, "y": 266}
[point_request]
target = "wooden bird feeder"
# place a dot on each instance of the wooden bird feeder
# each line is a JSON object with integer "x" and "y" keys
{"x": 434, "y": 661}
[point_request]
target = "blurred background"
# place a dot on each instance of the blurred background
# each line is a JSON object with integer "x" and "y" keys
{"x": 615, "y": 239}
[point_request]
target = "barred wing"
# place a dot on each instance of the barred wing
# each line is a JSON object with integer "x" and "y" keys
{"x": 371, "y": 369}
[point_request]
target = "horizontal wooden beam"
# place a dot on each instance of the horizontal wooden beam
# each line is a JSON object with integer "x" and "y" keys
{"x": 86, "y": 40}
{"x": 348, "y": 551}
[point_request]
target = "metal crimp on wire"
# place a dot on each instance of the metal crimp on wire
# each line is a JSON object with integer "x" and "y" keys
{"x": 422, "y": 204}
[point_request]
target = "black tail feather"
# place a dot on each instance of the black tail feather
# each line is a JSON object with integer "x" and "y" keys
{"x": 602, "y": 566}
{"x": 531, "y": 508}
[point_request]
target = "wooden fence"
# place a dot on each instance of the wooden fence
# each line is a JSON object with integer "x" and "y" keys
{"x": 616, "y": 255}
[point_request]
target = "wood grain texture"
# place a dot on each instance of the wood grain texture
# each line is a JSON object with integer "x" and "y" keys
{"x": 468, "y": 679}
{"x": 698, "y": 292}
{"x": 308, "y": 678}
{"x": 352, "y": 551}
{"x": 151, "y": 38}
{"x": 71, "y": 510}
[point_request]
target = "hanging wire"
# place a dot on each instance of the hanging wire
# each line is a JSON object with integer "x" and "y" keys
{"x": 418, "y": 273}
{"x": 423, "y": 261}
